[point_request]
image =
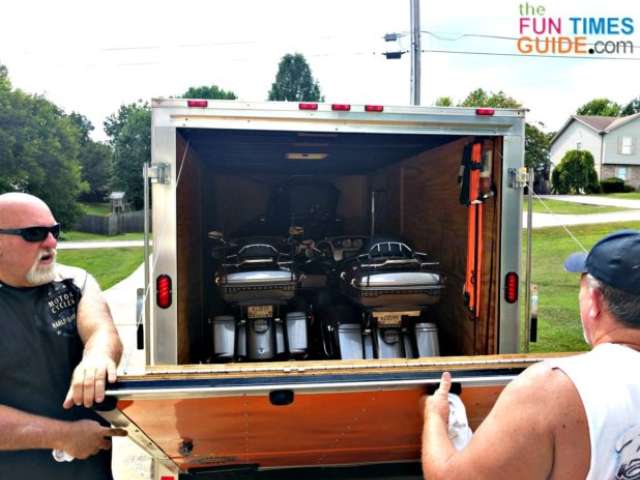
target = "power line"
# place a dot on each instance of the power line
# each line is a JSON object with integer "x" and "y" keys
{"x": 440, "y": 36}
{"x": 529, "y": 55}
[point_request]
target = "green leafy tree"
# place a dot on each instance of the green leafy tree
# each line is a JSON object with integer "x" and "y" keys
{"x": 294, "y": 81}
{"x": 95, "y": 159}
{"x": 536, "y": 148}
{"x": 211, "y": 93}
{"x": 129, "y": 131}
{"x": 480, "y": 98}
{"x": 444, "y": 102}
{"x": 5, "y": 84}
{"x": 632, "y": 107}
{"x": 39, "y": 147}
{"x": 600, "y": 106}
{"x": 575, "y": 174}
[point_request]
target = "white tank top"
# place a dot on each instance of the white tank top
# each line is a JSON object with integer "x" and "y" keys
{"x": 608, "y": 381}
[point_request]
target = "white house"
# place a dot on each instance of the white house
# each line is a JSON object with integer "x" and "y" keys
{"x": 614, "y": 143}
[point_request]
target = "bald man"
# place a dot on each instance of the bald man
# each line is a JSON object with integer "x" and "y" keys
{"x": 567, "y": 418}
{"x": 58, "y": 349}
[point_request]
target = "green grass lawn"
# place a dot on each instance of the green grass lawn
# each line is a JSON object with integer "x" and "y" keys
{"x": 559, "y": 326}
{"x": 108, "y": 265}
{"x": 101, "y": 209}
{"x": 568, "y": 208}
{"x": 627, "y": 196}
{"x": 73, "y": 236}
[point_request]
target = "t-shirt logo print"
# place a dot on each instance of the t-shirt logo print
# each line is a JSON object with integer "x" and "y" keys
{"x": 628, "y": 450}
{"x": 61, "y": 305}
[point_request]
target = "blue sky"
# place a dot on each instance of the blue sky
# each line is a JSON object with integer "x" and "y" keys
{"x": 92, "y": 56}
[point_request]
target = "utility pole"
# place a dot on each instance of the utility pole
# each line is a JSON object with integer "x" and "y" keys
{"x": 415, "y": 52}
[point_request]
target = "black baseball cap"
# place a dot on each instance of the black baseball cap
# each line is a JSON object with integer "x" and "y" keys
{"x": 614, "y": 260}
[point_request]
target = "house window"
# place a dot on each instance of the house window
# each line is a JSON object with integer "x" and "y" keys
{"x": 579, "y": 146}
{"x": 626, "y": 146}
{"x": 622, "y": 173}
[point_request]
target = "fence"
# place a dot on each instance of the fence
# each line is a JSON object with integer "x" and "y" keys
{"x": 113, "y": 224}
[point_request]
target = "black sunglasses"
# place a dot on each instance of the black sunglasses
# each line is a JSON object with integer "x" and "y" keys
{"x": 33, "y": 234}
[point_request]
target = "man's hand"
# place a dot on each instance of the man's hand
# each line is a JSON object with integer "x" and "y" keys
{"x": 84, "y": 438}
{"x": 438, "y": 403}
{"x": 89, "y": 380}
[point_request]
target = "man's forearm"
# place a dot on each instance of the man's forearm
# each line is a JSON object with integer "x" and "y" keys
{"x": 24, "y": 431}
{"x": 437, "y": 449}
{"x": 104, "y": 341}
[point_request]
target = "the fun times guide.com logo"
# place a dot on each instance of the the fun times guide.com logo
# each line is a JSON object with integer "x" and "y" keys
{"x": 542, "y": 34}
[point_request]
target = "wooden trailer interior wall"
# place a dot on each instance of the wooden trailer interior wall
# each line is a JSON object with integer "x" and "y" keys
{"x": 189, "y": 288}
{"x": 419, "y": 200}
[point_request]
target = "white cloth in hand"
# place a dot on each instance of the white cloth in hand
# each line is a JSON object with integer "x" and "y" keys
{"x": 459, "y": 431}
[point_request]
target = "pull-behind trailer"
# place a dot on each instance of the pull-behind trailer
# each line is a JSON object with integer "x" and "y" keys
{"x": 213, "y": 164}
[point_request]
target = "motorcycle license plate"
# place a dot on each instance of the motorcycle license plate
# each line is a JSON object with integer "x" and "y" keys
{"x": 392, "y": 319}
{"x": 260, "y": 311}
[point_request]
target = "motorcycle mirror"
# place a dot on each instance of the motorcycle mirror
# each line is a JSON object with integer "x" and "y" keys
{"x": 216, "y": 235}
{"x": 296, "y": 231}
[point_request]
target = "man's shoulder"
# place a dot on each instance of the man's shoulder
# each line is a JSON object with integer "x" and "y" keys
{"x": 543, "y": 378}
{"x": 77, "y": 275}
{"x": 546, "y": 388}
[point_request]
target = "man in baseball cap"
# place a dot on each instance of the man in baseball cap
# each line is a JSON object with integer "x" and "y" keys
{"x": 572, "y": 417}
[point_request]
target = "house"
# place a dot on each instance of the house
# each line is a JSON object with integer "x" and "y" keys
{"x": 614, "y": 143}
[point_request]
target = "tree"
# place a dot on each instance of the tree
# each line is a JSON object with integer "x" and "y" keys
{"x": 294, "y": 81}
{"x": 444, "y": 102}
{"x": 39, "y": 148}
{"x": 575, "y": 173}
{"x": 129, "y": 130}
{"x": 480, "y": 98}
{"x": 536, "y": 155}
{"x": 632, "y": 107}
{"x": 211, "y": 93}
{"x": 5, "y": 84}
{"x": 601, "y": 107}
{"x": 95, "y": 159}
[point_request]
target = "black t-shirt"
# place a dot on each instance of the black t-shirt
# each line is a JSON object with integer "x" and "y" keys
{"x": 39, "y": 348}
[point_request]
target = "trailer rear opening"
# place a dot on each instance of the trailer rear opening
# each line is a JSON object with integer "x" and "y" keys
{"x": 226, "y": 176}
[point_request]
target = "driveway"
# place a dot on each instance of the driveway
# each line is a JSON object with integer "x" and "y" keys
{"x": 595, "y": 200}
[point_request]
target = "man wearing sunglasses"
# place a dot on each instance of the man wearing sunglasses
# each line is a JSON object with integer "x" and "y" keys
{"x": 58, "y": 349}
{"x": 575, "y": 417}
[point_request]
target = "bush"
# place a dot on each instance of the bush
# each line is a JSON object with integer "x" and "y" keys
{"x": 615, "y": 185}
{"x": 612, "y": 185}
{"x": 575, "y": 174}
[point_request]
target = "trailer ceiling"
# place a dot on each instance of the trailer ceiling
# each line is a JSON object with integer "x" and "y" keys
{"x": 234, "y": 151}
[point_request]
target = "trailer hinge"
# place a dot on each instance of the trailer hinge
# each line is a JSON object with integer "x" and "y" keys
{"x": 160, "y": 173}
{"x": 517, "y": 177}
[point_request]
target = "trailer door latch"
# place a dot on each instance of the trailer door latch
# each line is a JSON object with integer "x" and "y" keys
{"x": 517, "y": 177}
{"x": 160, "y": 173}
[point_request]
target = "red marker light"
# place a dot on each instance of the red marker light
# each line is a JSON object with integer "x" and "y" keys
{"x": 511, "y": 287}
{"x": 487, "y": 112}
{"x": 340, "y": 107}
{"x": 373, "y": 108}
{"x": 198, "y": 103}
{"x": 163, "y": 291}
{"x": 308, "y": 106}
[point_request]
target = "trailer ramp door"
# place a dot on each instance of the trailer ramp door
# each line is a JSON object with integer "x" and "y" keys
{"x": 306, "y": 415}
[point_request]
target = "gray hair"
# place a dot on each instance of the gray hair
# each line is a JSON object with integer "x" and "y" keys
{"x": 624, "y": 306}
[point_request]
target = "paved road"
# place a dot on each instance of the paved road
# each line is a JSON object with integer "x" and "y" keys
{"x": 542, "y": 220}
{"x": 64, "y": 245}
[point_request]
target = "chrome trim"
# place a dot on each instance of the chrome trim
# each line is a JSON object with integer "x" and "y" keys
{"x": 257, "y": 276}
{"x": 400, "y": 281}
{"x": 126, "y": 394}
